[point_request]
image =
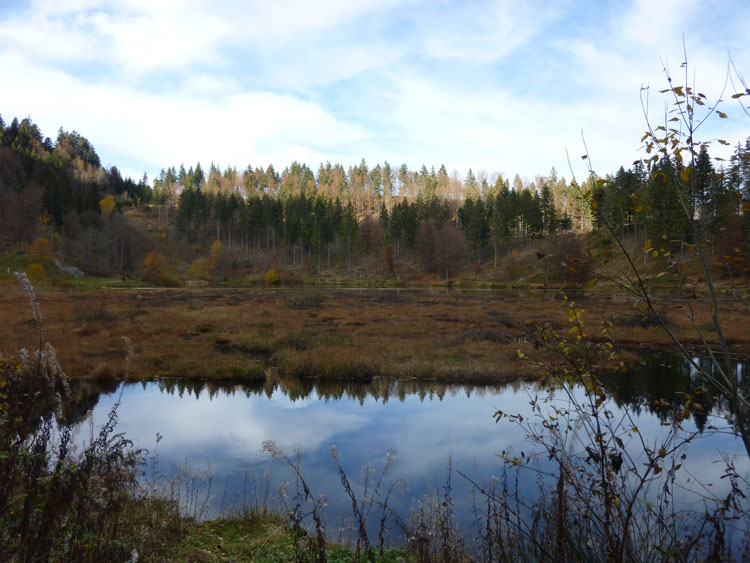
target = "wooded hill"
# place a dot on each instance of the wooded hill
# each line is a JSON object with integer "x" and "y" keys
{"x": 371, "y": 221}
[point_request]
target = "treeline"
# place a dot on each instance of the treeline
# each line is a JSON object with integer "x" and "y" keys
{"x": 308, "y": 217}
{"x": 359, "y": 214}
{"x": 652, "y": 203}
{"x": 259, "y": 209}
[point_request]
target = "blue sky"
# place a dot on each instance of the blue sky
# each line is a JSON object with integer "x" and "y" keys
{"x": 496, "y": 86}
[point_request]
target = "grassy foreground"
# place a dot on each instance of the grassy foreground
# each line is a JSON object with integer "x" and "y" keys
{"x": 253, "y": 537}
{"x": 227, "y": 333}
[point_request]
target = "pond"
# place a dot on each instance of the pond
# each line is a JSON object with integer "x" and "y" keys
{"x": 214, "y": 434}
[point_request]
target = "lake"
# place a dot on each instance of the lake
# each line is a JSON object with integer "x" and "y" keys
{"x": 219, "y": 429}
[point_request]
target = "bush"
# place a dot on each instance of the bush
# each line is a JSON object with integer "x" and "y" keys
{"x": 200, "y": 269}
{"x": 41, "y": 252}
{"x": 272, "y": 278}
{"x": 36, "y": 273}
{"x": 155, "y": 270}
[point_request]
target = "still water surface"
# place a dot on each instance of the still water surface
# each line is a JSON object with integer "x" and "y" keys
{"x": 221, "y": 428}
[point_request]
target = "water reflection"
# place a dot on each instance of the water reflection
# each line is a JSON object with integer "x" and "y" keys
{"x": 660, "y": 383}
{"x": 86, "y": 393}
{"x": 223, "y": 426}
{"x": 655, "y": 386}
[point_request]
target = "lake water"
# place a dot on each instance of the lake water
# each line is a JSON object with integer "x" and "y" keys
{"x": 221, "y": 429}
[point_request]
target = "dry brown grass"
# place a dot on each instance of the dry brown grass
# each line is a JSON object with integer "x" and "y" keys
{"x": 237, "y": 333}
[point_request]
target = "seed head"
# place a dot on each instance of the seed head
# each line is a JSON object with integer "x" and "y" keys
{"x": 23, "y": 280}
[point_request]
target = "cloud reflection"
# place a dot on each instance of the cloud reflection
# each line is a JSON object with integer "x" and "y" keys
{"x": 225, "y": 430}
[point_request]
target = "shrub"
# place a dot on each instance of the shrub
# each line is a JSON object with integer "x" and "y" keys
{"x": 107, "y": 206}
{"x": 36, "y": 273}
{"x": 200, "y": 269}
{"x": 272, "y": 278}
{"x": 215, "y": 253}
{"x": 155, "y": 270}
{"x": 41, "y": 252}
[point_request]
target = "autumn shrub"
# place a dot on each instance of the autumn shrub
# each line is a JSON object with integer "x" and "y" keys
{"x": 36, "y": 272}
{"x": 41, "y": 252}
{"x": 200, "y": 269}
{"x": 272, "y": 278}
{"x": 107, "y": 206}
{"x": 216, "y": 253}
{"x": 155, "y": 270}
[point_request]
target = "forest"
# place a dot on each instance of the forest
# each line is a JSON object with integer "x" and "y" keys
{"x": 377, "y": 221}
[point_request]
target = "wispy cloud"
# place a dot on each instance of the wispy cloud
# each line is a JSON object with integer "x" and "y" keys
{"x": 482, "y": 32}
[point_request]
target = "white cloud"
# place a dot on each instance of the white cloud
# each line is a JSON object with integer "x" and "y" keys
{"x": 233, "y": 423}
{"x": 155, "y": 131}
{"x": 650, "y": 24}
{"x": 285, "y": 21}
{"x": 488, "y": 85}
{"x": 502, "y": 132}
{"x": 483, "y": 34}
{"x": 138, "y": 37}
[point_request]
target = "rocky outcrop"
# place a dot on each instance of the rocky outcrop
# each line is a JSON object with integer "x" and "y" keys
{"x": 73, "y": 271}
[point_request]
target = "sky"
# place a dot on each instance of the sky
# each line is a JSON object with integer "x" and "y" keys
{"x": 496, "y": 86}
